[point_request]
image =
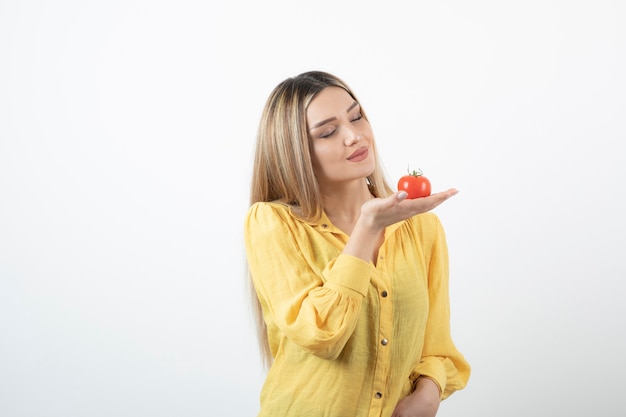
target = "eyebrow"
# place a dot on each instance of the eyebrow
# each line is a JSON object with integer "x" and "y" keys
{"x": 323, "y": 122}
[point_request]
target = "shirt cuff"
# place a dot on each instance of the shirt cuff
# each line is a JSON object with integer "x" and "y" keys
{"x": 348, "y": 272}
{"x": 433, "y": 368}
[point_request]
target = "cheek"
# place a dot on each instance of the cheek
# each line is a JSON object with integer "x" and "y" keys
{"x": 321, "y": 153}
{"x": 324, "y": 158}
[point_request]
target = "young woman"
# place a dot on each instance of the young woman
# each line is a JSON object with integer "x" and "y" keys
{"x": 350, "y": 278}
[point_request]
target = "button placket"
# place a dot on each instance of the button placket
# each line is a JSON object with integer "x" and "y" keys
{"x": 385, "y": 332}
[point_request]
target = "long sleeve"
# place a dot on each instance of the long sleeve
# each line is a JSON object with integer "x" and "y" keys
{"x": 348, "y": 335}
{"x": 314, "y": 304}
{"x": 440, "y": 360}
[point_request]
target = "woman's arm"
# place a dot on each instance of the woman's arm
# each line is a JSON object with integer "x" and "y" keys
{"x": 379, "y": 213}
{"x": 317, "y": 309}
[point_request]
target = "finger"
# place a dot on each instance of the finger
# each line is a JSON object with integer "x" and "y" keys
{"x": 442, "y": 196}
{"x": 424, "y": 204}
{"x": 436, "y": 198}
{"x": 447, "y": 194}
{"x": 394, "y": 199}
{"x": 451, "y": 191}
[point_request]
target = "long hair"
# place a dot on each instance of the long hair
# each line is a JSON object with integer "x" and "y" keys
{"x": 283, "y": 170}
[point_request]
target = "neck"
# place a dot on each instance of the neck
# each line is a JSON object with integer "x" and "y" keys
{"x": 342, "y": 204}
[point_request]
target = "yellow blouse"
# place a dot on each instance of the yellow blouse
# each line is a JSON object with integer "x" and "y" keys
{"x": 349, "y": 338}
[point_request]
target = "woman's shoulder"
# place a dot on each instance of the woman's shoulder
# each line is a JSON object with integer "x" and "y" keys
{"x": 270, "y": 213}
{"x": 272, "y": 219}
{"x": 269, "y": 208}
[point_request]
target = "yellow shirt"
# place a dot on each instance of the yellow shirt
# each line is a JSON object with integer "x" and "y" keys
{"x": 348, "y": 337}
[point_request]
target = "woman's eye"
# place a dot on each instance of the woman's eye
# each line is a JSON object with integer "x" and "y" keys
{"x": 327, "y": 134}
{"x": 358, "y": 117}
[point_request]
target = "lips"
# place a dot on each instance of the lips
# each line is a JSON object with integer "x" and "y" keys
{"x": 359, "y": 155}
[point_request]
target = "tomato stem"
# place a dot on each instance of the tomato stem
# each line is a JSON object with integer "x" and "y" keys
{"x": 414, "y": 173}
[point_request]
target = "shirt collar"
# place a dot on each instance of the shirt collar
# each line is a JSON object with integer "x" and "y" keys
{"x": 324, "y": 225}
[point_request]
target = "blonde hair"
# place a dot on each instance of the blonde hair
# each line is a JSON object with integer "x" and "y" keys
{"x": 283, "y": 170}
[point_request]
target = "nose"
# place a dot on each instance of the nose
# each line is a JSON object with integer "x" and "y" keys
{"x": 354, "y": 136}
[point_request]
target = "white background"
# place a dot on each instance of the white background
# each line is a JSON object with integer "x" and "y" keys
{"x": 126, "y": 136}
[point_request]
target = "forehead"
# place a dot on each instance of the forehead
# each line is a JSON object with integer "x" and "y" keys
{"x": 330, "y": 102}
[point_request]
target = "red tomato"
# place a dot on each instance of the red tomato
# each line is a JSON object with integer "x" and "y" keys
{"x": 415, "y": 184}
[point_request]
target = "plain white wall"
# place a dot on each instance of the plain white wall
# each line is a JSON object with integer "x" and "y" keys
{"x": 126, "y": 135}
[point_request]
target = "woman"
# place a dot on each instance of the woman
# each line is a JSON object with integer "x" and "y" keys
{"x": 350, "y": 277}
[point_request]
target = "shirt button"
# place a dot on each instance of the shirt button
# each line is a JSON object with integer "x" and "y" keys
{"x": 384, "y": 293}
{"x": 384, "y": 342}
{"x": 324, "y": 225}
{"x": 379, "y": 395}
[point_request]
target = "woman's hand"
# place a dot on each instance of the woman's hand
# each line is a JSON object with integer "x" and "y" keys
{"x": 376, "y": 214}
{"x": 423, "y": 402}
{"x": 382, "y": 212}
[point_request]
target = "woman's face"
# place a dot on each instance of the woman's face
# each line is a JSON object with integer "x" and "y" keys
{"x": 341, "y": 139}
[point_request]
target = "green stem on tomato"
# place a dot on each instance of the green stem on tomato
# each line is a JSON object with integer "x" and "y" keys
{"x": 414, "y": 173}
